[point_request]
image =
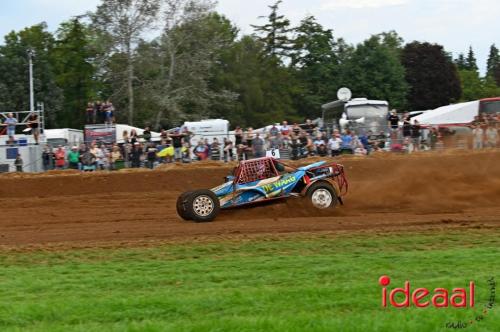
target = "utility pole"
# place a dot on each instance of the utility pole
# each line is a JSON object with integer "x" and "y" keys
{"x": 31, "y": 54}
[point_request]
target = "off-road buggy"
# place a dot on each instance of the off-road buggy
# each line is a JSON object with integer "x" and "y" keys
{"x": 258, "y": 180}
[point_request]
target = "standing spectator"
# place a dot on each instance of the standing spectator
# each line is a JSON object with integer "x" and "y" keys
{"x": 296, "y": 146}
{"x": 74, "y": 158}
{"x": 317, "y": 143}
{"x": 228, "y": 150}
{"x": 491, "y": 136}
{"x": 34, "y": 124}
{"x": 363, "y": 139}
{"x": 238, "y": 142}
{"x": 406, "y": 127}
{"x": 275, "y": 142}
{"x": 433, "y": 138}
{"x": 416, "y": 135}
{"x": 136, "y": 155}
{"x": 321, "y": 150}
{"x": 88, "y": 161}
{"x": 47, "y": 158}
{"x": 238, "y": 136}
{"x": 201, "y": 151}
{"x": 285, "y": 129}
{"x": 249, "y": 137}
{"x": 134, "y": 138}
{"x": 99, "y": 111}
{"x": 99, "y": 156}
{"x": 215, "y": 150}
{"x": 127, "y": 154}
{"x": 477, "y": 137}
{"x": 147, "y": 134}
{"x": 60, "y": 157}
{"x": 309, "y": 127}
{"x": 346, "y": 147}
{"x": 177, "y": 138}
{"x": 304, "y": 144}
{"x": 273, "y": 132}
{"x": 163, "y": 135}
{"x": 82, "y": 149}
{"x": 186, "y": 151}
{"x": 109, "y": 113}
{"x": 90, "y": 113}
{"x": 11, "y": 123}
{"x": 126, "y": 138}
{"x": 334, "y": 144}
{"x": 258, "y": 147}
{"x": 393, "y": 120}
{"x": 151, "y": 156}
{"x": 19, "y": 163}
{"x": 115, "y": 157}
{"x": 296, "y": 129}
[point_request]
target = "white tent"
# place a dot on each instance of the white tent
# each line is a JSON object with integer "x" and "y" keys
{"x": 458, "y": 114}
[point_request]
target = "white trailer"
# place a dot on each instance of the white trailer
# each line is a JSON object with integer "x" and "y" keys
{"x": 64, "y": 137}
{"x": 208, "y": 129}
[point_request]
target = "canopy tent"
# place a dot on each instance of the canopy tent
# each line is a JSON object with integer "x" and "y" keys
{"x": 458, "y": 114}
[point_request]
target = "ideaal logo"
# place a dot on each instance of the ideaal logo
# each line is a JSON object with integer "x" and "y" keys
{"x": 439, "y": 298}
{"x": 422, "y": 297}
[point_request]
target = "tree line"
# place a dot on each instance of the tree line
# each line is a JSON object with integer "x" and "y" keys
{"x": 163, "y": 62}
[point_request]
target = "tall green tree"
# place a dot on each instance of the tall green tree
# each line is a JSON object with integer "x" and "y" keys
{"x": 125, "y": 21}
{"x": 493, "y": 64}
{"x": 471, "y": 61}
{"x": 265, "y": 89}
{"x": 72, "y": 61}
{"x": 185, "y": 58}
{"x": 432, "y": 76}
{"x": 275, "y": 33}
{"x": 374, "y": 71}
{"x": 315, "y": 63}
{"x": 460, "y": 62}
{"x": 14, "y": 83}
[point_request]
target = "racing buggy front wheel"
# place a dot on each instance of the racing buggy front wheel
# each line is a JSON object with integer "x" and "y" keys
{"x": 322, "y": 195}
{"x": 202, "y": 206}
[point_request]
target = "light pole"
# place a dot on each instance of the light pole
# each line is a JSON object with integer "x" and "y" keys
{"x": 31, "y": 55}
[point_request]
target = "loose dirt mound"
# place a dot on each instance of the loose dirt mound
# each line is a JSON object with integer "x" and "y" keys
{"x": 386, "y": 193}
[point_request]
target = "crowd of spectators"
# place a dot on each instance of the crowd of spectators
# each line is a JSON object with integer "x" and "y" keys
{"x": 293, "y": 141}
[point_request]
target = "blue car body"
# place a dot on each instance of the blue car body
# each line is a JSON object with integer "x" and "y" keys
{"x": 233, "y": 194}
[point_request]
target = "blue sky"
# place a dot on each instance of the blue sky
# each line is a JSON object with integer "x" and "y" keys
{"x": 456, "y": 24}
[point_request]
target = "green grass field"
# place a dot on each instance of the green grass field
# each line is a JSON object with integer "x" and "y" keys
{"x": 299, "y": 283}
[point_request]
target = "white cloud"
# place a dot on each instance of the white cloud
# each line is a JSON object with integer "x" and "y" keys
{"x": 360, "y": 4}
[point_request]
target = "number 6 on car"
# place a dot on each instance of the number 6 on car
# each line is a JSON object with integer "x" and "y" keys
{"x": 274, "y": 153}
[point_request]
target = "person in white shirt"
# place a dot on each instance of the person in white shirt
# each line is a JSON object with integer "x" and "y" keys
{"x": 491, "y": 137}
{"x": 477, "y": 137}
{"x": 334, "y": 144}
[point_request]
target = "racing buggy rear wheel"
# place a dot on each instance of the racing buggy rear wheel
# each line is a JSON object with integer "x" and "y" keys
{"x": 322, "y": 195}
{"x": 202, "y": 206}
{"x": 181, "y": 205}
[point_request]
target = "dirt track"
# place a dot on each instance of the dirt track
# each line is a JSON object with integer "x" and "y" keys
{"x": 389, "y": 193}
